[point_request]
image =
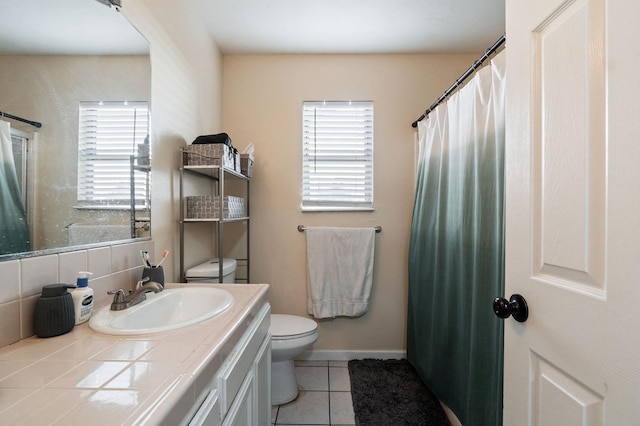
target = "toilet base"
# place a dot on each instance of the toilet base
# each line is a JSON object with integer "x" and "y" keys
{"x": 284, "y": 386}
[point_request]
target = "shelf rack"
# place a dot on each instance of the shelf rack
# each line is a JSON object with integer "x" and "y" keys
{"x": 218, "y": 174}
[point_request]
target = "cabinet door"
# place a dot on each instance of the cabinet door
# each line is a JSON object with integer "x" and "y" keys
{"x": 235, "y": 368}
{"x": 209, "y": 412}
{"x": 241, "y": 411}
{"x": 262, "y": 386}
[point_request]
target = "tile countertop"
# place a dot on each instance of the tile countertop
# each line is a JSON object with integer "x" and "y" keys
{"x": 84, "y": 377}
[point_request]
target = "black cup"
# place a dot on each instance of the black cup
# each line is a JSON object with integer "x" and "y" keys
{"x": 154, "y": 273}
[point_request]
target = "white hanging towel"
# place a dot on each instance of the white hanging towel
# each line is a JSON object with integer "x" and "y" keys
{"x": 339, "y": 271}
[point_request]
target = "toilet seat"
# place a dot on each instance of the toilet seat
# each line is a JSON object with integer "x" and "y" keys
{"x": 287, "y": 327}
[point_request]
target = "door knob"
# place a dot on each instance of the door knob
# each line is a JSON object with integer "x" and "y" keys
{"x": 516, "y": 306}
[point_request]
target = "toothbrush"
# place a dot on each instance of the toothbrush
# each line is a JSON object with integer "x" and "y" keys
{"x": 145, "y": 257}
{"x": 164, "y": 256}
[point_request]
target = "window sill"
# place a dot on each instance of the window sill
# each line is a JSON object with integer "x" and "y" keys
{"x": 316, "y": 209}
{"x": 113, "y": 208}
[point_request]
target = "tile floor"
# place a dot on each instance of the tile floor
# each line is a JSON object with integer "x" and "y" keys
{"x": 324, "y": 399}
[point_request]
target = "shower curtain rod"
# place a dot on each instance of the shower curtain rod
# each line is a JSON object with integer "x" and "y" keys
{"x": 24, "y": 120}
{"x": 461, "y": 79}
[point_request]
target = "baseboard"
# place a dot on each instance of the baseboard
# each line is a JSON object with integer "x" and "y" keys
{"x": 337, "y": 355}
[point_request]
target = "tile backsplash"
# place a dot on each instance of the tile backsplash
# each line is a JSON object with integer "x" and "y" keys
{"x": 21, "y": 281}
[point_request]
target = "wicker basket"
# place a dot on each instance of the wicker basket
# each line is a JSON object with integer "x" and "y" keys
{"x": 208, "y": 207}
{"x": 215, "y": 154}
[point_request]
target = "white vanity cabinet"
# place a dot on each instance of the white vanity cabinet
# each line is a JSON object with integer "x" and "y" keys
{"x": 240, "y": 393}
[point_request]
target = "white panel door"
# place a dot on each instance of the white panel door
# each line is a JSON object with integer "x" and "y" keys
{"x": 573, "y": 212}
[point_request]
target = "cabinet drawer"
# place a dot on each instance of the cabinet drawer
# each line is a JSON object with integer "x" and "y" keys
{"x": 240, "y": 361}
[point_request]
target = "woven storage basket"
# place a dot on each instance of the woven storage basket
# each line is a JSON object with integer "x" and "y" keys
{"x": 208, "y": 207}
{"x": 215, "y": 154}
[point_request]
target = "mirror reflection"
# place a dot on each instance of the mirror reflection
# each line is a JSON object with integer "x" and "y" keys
{"x": 83, "y": 72}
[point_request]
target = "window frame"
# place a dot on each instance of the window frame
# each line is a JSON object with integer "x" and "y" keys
{"x": 125, "y": 139}
{"x": 357, "y": 154}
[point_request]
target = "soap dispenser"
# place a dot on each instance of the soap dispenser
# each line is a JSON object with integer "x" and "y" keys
{"x": 54, "y": 311}
{"x": 82, "y": 298}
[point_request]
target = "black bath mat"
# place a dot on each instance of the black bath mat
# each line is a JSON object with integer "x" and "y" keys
{"x": 390, "y": 393}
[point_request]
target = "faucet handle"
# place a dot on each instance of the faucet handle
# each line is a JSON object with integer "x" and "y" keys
{"x": 142, "y": 282}
{"x": 118, "y": 295}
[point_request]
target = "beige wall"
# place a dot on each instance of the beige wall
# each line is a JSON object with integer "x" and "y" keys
{"x": 262, "y": 104}
{"x": 186, "y": 75}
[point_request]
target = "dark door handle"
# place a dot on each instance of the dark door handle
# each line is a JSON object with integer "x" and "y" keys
{"x": 516, "y": 306}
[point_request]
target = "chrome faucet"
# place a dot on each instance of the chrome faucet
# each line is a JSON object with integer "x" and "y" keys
{"x": 122, "y": 301}
{"x": 142, "y": 282}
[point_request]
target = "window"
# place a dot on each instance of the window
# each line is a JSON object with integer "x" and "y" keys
{"x": 337, "y": 156}
{"x": 109, "y": 134}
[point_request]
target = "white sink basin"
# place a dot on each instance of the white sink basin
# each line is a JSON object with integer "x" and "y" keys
{"x": 168, "y": 310}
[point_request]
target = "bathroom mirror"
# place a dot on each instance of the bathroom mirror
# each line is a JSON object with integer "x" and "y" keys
{"x": 56, "y": 59}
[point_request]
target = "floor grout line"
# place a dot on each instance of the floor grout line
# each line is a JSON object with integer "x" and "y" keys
{"x": 329, "y": 392}
{"x": 329, "y": 395}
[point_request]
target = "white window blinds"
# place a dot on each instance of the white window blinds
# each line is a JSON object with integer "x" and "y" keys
{"x": 337, "y": 155}
{"x": 109, "y": 133}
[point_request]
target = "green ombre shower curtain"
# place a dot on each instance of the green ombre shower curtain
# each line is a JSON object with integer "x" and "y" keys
{"x": 14, "y": 231}
{"x": 456, "y": 253}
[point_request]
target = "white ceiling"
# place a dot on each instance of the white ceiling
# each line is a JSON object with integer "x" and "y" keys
{"x": 264, "y": 27}
{"x": 66, "y": 27}
{"x": 352, "y": 26}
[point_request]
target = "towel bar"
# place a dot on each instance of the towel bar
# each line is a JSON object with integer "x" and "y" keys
{"x": 302, "y": 228}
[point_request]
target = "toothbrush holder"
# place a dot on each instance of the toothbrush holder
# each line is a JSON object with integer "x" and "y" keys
{"x": 154, "y": 273}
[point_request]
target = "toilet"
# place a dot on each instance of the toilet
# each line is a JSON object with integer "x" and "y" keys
{"x": 209, "y": 271}
{"x": 290, "y": 336}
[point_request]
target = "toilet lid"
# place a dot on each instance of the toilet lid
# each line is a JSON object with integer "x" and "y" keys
{"x": 288, "y": 326}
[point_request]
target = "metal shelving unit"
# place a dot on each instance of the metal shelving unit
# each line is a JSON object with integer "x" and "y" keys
{"x": 217, "y": 175}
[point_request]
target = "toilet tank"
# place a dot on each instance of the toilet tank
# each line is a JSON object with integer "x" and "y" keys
{"x": 208, "y": 272}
